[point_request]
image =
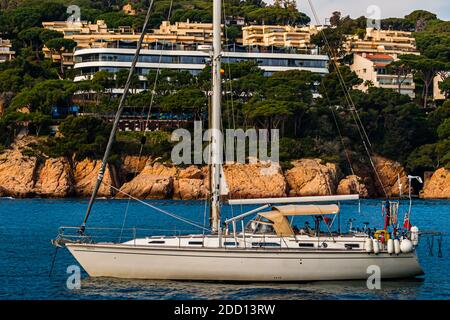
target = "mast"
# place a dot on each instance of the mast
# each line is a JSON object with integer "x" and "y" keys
{"x": 216, "y": 136}
{"x": 116, "y": 121}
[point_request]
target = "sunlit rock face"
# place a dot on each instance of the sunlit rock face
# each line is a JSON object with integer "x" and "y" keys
{"x": 155, "y": 181}
{"x": 310, "y": 177}
{"x": 438, "y": 185}
{"x": 85, "y": 174}
{"x": 258, "y": 180}
{"x": 54, "y": 178}
{"x": 352, "y": 184}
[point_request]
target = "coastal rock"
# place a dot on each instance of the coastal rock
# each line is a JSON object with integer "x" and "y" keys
{"x": 389, "y": 172}
{"x": 134, "y": 164}
{"x": 191, "y": 172}
{"x": 438, "y": 185}
{"x": 153, "y": 182}
{"x": 54, "y": 178}
{"x": 352, "y": 184}
{"x": 190, "y": 189}
{"x": 259, "y": 180}
{"x": 17, "y": 172}
{"x": 85, "y": 176}
{"x": 190, "y": 184}
{"x": 309, "y": 177}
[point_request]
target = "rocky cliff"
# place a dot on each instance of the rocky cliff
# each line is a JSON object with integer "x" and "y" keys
{"x": 437, "y": 185}
{"x": 310, "y": 177}
{"x": 23, "y": 174}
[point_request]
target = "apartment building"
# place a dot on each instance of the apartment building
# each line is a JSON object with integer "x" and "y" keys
{"x": 437, "y": 93}
{"x": 372, "y": 69}
{"x": 388, "y": 42}
{"x": 89, "y": 61}
{"x": 6, "y": 52}
{"x": 281, "y": 36}
{"x": 98, "y": 35}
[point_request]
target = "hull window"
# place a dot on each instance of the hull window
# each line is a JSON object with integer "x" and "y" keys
{"x": 265, "y": 244}
{"x": 197, "y": 243}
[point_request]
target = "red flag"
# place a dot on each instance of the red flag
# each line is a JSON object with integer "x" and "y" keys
{"x": 407, "y": 224}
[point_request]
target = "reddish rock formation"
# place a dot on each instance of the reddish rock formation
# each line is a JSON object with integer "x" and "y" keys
{"x": 310, "y": 177}
{"x": 22, "y": 175}
{"x": 54, "y": 179}
{"x": 85, "y": 175}
{"x": 191, "y": 183}
{"x": 259, "y": 180}
{"x": 153, "y": 182}
{"x": 438, "y": 185}
{"x": 389, "y": 171}
{"x": 134, "y": 164}
{"x": 17, "y": 173}
{"x": 352, "y": 185}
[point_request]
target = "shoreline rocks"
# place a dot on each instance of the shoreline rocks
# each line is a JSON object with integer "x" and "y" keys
{"x": 437, "y": 186}
{"x": 310, "y": 177}
{"x": 24, "y": 174}
{"x": 352, "y": 184}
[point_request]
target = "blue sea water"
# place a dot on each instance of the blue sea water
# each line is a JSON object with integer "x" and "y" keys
{"x": 28, "y": 225}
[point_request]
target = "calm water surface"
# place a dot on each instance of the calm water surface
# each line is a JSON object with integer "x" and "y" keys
{"x": 26, "y": 227}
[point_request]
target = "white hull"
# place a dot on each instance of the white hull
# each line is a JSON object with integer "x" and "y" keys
{"x": 237, "y": 264}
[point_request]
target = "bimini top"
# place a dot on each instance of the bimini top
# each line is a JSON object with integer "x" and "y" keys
{"x": 278, "y": 215}
{"x": 306, "y": 210}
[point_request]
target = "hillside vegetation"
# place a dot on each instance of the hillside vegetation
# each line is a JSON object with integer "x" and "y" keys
{"x": 415, "y": 132}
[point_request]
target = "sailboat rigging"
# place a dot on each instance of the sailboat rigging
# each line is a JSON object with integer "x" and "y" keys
{"x": 115, "y": 126}
{"x": 266, "y": 248}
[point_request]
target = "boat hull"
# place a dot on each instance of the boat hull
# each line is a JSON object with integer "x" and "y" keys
{"x": 219, "y": 264}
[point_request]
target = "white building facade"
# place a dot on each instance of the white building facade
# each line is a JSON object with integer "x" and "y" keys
{"x": 373, "y": 70}
{"x": 90, "y": 61}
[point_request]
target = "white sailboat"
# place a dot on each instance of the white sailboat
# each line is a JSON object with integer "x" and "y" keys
{"x": 267, "y": 248}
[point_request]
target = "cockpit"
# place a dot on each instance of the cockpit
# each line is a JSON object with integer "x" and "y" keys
{"x": 260, "y": 225}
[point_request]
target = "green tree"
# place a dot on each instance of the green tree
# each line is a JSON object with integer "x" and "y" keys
{"x": 331, "y": 85}
{"x": 417, "y": 15}
{"x": 424, "y": 69}
{"x": 330, "y": 41}
{"x": 121, "y": 79}
{"x": 103, "y": 81}
{"x": 31, "y": 37}
{"x": 44, "y": 95}
{"x": 59, "y": 46}
{"x": 49, "y": 34}
{"x": 82, "y": 136}
{"x": 188, "y": 99}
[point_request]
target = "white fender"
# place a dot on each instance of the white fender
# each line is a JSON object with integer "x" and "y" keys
{"x": 397, "y": 246}
{"x": 376, "y": 246}
{"x": 368, "y": 245}
{"x": 415, "y": 235}
{"x": 406, "y": 246}
{"x": 390, "y": 246}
